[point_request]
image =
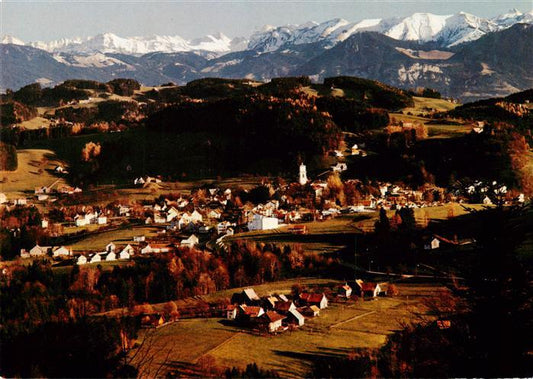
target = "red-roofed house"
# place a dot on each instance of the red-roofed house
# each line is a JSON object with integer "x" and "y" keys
{"x": 318, "y": 299}
{"x": 272, "y": 321}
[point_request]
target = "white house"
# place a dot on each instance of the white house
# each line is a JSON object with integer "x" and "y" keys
{"x": 81, "y": 221}
{"x": 24, "y": 253}
{"x": 139, "y": 239}
{"x": 190, "y": 242}
{"x": 146, "y": 250}
{"x": 93, "y": 258}
{"x": 296, "y": 317}
{"x": 82, "y": 259}
{"x": 61, "y": 251}
{"x": 111, "y": 256}
{"x": 38, "y": 251}
{"x": 101, "y": 220}
{"x": 196, "y": 216}
{"x": 44, "y": 223}
{"x": 3, "y": 198}
{"x": 260, "y": 222}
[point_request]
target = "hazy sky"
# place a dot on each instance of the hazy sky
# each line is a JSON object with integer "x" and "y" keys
{"x": 48, "y": 20}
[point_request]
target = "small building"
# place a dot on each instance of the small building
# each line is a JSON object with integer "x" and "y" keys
{"x": 38, "y": 251}
{"x": 110, "y": 247}
{"x": 260, "y": 222}
{"x": 370, "y": 289}
{"x": 272, "y": 321}
{"x": 294, "y": 317}
{"x": 147, "y": 249}
{"x": 126, "y": 253}
{"x": 318, "y": 299}
{"x": 345, "y": 290}
{"x": 101, "y": 220}
{"x": 190, "y": 242}
{"x": 94, "y": 258}
{"x": 249, "y": 314}
{"x": 231, "y": 312}
{"x": 284, "y": 307}
{"x": 81, "y": 260}
{"x": 311, "y": 311}
{"x": 111, "y": 256}
{"x": 61, "y": 251}
{"x": 139, "y": 239}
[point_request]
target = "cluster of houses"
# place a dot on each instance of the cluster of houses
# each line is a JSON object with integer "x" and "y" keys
{"x": 111, "y": 252}
{"x": 274, "y": 313}
{"x": 279, "y": 312}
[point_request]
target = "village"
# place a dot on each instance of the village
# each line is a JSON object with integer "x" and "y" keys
{"x": 208, "y": 215}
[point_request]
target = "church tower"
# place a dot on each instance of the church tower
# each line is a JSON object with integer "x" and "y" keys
{"x": 303, "y": 175}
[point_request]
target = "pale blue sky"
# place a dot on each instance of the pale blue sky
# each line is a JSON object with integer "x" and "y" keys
{"x": 48, "y": 20}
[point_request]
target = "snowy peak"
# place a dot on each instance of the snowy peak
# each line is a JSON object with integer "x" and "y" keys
{"x": 418, "y": 27}
{"x": 447, "y": 30}
{"x": 12, "y": 40}
{"x": 111, "y": 43}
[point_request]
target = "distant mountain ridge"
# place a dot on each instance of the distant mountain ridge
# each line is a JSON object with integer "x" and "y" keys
{"x": 467, "y": 63}
{"x": 445, "y": 30}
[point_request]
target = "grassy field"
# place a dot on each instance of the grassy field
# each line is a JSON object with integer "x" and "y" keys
{"x": 339, "y": 329}
{"x": 424, "y": 103}
{"x": 35, "y": 169}
{"x": 118, "y": 237}
{"x": 337, "y": 233}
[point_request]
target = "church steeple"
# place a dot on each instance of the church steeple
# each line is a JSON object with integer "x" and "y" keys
{"x": 303, "y": 175}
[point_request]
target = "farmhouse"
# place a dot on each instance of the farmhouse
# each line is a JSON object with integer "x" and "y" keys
{"x": 190, "y": 242}
{"x": 81, "y": 260}
{"x": 111, "y": 256}
{"x": 370, "y": 289}
{"x": 61, "y": 251}
{"x": 93, "y": 258}
{"x": 272, "y": 321}
{"x": 248, "y": 314}
{"x": 284, "y": 306}
{"x": 38, "y": 251}
{"x": 294, "y": 317}
{"x": 126, "y": 253}
{"x": 318, "y": 299}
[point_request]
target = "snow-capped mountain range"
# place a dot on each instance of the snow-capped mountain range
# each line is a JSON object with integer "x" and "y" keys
{"x": 445, "y": 30}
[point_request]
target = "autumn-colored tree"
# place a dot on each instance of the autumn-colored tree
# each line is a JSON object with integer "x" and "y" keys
{"x": 90, "y": 151}
{"x": 336, "y": 188}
